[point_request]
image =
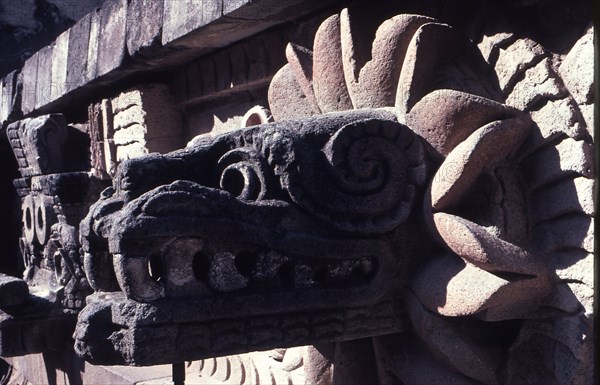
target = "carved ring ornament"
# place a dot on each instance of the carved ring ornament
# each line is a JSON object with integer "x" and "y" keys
{"x": 397, "y": 196}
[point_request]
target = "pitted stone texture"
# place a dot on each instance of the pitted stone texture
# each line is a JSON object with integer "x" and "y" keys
{"x": 13, "y": 291}
{"x": 375, "y": 84}
{"x": 453, "y": 345}
{"x": 490, "y": 44}
{"x": 568, "y": 158}
{"x": 258, "y": 240}
{"x": 499, "y": 269}
{"x": 340, "y": 69}
{"x": 171, "y": 331}
{"x": 328, "y": 72}
{"x": 577, "y": 69}
{"x": 540, "y": 82}
{"x": 556, "y": 118}
{"x": 447, "y": 117}
{"x": 286, "y": 87}
{"x": 517, "y": 57}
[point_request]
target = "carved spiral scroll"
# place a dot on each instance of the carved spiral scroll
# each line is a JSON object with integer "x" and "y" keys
{"x": 363, "y": 179}
{"x": 244, "y": 173}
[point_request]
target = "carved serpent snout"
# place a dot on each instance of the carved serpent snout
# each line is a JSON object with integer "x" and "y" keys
{"x": 275, "y": 208}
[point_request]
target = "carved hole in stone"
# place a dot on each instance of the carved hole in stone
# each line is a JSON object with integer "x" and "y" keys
{"x": 253, "y": 120}
{"x": 364, "y": 269}
{"x": 24, "y": 251}
{"x": 233, "y": 181}
{"x": 58, "y": 266}
{"x": 40, "y": 217}
{"x": 156, "y": 267}
{"x": 286, "y": 273}
{"x": 245, "y": 262}
{"x": 28, "y": 219}
{"x": 201, "y": 266}
{"x": 320, "y": 275}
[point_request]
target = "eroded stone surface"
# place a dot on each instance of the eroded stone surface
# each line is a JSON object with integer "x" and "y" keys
{"x": 13, "y": 291}
{"x": 540, "y": 82}
{"x": 522, "y": 54}
{"x": 577, "y": 69}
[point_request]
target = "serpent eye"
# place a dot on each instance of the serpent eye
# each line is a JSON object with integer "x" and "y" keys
{"x": 243, "y": 173}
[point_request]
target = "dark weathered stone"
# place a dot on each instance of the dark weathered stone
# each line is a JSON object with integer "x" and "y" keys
{"x": 39, "y": 144}
{"x": 174, "y": 331}
{"x": 53, "y": 200}
{"x": 306, "y": 254}
{"x": 13, "y": 291}
{"x": 33, "y": 327}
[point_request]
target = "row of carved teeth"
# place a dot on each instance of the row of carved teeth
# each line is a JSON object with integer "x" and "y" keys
{"x": 268, "y": 270}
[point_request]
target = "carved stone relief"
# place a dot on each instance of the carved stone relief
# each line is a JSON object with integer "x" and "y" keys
{"x": 511, "y": 202}
{"x": 55, "y": 197}
{"x": 449, "y": 217}
{"x": 269, "y": 214}
{"x": 402, "y": 205}
{"x": 136, "y": 122}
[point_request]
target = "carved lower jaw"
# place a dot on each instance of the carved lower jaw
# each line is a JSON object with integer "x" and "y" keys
{"x": 114, "y": 330}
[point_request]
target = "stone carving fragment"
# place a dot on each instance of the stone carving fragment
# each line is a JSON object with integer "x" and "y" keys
{"x": 39, "y": 144}
{"x": 54, "y": 198}
{"x": 136, "y": 122}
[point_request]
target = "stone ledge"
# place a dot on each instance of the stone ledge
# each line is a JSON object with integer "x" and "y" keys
{"x": 126, "y": 38}
{"x": 177, "y": 330}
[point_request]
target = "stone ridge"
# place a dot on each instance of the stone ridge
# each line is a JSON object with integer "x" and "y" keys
{"x": 124, "y": 38}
